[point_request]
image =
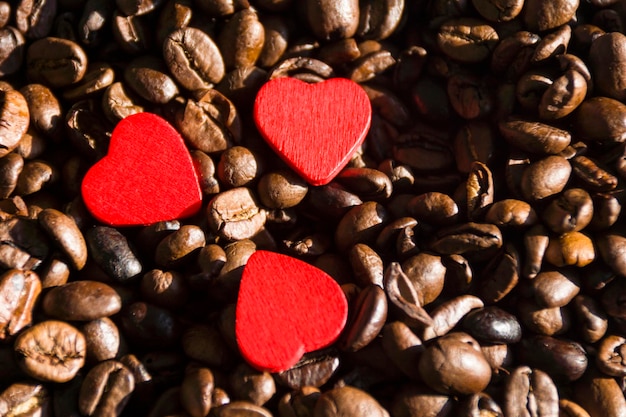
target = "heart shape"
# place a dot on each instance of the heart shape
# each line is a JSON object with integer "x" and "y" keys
{"x": 314, "y": 128}
{"x": 286, "y": 308}
{"x": 147, "y": 176}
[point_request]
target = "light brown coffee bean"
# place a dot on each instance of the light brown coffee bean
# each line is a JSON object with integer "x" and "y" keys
{"x": 51, "y": 351}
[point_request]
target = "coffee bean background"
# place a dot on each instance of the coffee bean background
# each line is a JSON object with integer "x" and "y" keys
{"x": 477, "y": 233}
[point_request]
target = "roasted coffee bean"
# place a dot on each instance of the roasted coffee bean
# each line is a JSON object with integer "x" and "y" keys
{"x": 196, "y": 390}
{"x": 608, "y": 52}
{"x": 250, "y": 385}
{"x": 545, "y": 177}
{"x": 539, "y": 16}
{"x": 592, "y": 175}
{"x": 299, "y": 401}
{"x": 238, "y": 167}
{"x": 14, "y": 119}
{"x": 20, "y": 290}
{"x": 501, "y": 275}
{"x": 367, "y": 265}
{"x": 347, "y": 401}
{"x": 426, "y": 272}
{"x": 166, "y": 289}
{"x": 369, "y": 65}
{"x": 25, "y": 398}
{"x": 210, "y": 124}
{"x": 454, "y": 364}
{"x": 562, "y": 359}
{"x": 66, "y": 234}
{"x": 360, "y": 224}
{"x": 611, "y": 298}
{"x": 97, "y": 78}
{"x": 511, "y": 213}
{"x": 416, "y": 400}
{"x": 23, "y": 245}
{"x": 477, "y": 240}
{"x": 106, "y": 389}
{"x": 534, "y": 137}
{"x": 103, "y": 340}
{"x": 599, "y": 395}
{"x": 572, "y": 211}
{"x": 44, "y": 108}
{"x": 34, "y": 176}
{"x": 5, "y": 11}
{"x": 131, "y": 33}
{"x": 591, "y": 318}
{"x": 406, "y": 297}
{"x": 498, "y": 11}
{"x": 241, "y": 39}
{"x": 553, "y": 44}
{"x": 193, "y": 58}
{"x": 111, "y": 251}
{"x": 313, "y": 370}
{"x": 235, "y": 214}
{"x": 478, "y": 404}
{"x": 530, "y": 391}
{"x": 281, "y": 189}
{"x": 179, "y": 247}
{"x": 555, "y": 288}
{"x": 130, "y": 7}
{"x": 544, "y": 320}
{"x": 147, "y": 76}
{"x": 563, "y": 96}
{"x": 434, "y": 207}
{"x": 449, "y": 313}
{"x": 81, "y": 301}
{"x": 118, "y": 102}
{"x": 609, "y": 358}
{"x": 13, "y": 50}
{"x": 55, "y": 62}
{"x": 333, "y": 20}
{"x": 368, "y": 315}
{"x": 51, "y": 351}
{"x": 241, "y": 408}
{"x": 492, "y": 325}
{"x": 601, "y": 119}
{"x": 571, "y": 248}
{"x": 34, "y": 19}
{"x": 276, "y": 38}
{"x": 367, "y": 183}
{"x": 467, "y": 39}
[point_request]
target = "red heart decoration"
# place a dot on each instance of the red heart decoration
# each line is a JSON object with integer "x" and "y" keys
{"x": 146, "y": 177}
{"x": 286, "y": 308}
{"x": 314, "y": 128}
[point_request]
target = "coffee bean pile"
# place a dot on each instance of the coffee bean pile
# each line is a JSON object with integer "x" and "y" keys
{"x": 477, "y": 233}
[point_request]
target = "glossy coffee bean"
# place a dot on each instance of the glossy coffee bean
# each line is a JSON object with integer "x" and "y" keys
{"x": 81, "y": 301}
{"x": 106, "y": 389}
{"x": 51, "y": 351}
{"x": 56, "y": 62}
{"x": 454, "y": 364}
{"x": 347, "y": 401}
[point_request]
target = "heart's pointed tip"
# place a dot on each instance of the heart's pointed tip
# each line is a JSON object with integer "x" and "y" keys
{"x": 274, "y": 362}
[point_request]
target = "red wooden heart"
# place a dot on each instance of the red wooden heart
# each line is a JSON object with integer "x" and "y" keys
{"x": 286, "y": 308}
{"x": 146, "y": 177}
{"x": 314, "y": 128}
